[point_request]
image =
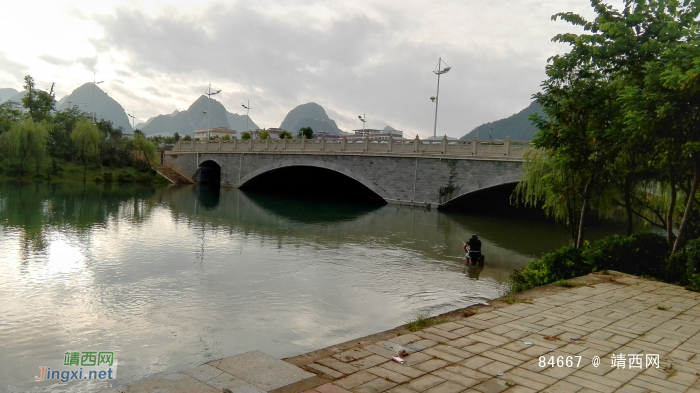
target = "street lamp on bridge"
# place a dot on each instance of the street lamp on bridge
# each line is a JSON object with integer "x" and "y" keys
{"x": 363, "y": 119}
{"x": 209, "y": 94}
{"x": 438, "y": 71}
{"x": 247, "y": 117}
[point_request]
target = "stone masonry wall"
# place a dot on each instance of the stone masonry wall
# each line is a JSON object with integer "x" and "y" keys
{"x": 398, "y": 179}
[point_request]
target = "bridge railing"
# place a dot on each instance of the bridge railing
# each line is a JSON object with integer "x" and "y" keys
{"x": 474, "y": 147}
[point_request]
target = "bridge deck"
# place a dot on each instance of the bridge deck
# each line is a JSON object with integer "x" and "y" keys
{"x": 473, "y": 148}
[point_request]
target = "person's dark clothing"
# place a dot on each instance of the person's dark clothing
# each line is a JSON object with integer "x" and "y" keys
{"x": 474, "y": 244}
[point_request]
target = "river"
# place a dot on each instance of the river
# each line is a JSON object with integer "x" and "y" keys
{"x": 172, "y": 277}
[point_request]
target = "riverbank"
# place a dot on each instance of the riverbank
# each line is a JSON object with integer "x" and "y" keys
{"x": 500, "y": 347}
{"x": 69, "y": 172}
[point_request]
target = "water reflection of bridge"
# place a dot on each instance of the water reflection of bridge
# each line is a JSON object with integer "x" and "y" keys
{"x": 510, "y": 242}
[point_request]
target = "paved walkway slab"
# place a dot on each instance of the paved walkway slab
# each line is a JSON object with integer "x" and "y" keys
{"x": 616, "y": 334}
{"x": 250, "y": 372}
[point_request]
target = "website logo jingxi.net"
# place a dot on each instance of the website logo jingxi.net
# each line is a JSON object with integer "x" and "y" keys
{"x": 80, "y": 365}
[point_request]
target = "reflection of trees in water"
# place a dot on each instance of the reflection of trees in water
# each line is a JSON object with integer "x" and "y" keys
{"x": 32, "y": 209}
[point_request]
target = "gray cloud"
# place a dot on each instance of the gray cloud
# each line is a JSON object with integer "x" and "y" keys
{"x": 349, "y": 62}
{"x": 15, "y": 70}
{"x": 88, "y": 62}
{"x": 157, "y": 92}
{"x": 55, "y": 60}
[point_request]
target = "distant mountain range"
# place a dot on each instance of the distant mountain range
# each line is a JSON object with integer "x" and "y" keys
{"x": 202, "y": 114}
{"x": 205, "y": 113}
{"x": 517, "y": 126}
{"x": 309, "y": 115}
{"x": 105, "y": 107}
{"x": 7, "y": 94}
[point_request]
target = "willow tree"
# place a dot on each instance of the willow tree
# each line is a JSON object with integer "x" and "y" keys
{"x": 26, "y": 141}
{"x": 87, "y": 139}
{"x": 146, "y": 148}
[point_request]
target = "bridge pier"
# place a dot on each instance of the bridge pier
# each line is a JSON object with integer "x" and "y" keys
{"x": 429, "y": 181}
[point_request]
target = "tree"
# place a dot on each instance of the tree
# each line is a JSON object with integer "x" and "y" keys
{"x": 284, "y": 134}
{"x": 306, "y": 132}
{"x": 263, "y": 135}
{"x": 10, "y": 113}
{"x": 26, "y": 141}
{"x": 226, "y": 138}
{"x": 176, "y": 136}
{"x": 245, "y": 135}
{"x": 145, "y": 147}
{"x": 87, "y": 139}
{"x": 605, "y": 133}
{"x": 39, "y": 103}
{"x": 186, "y": 138}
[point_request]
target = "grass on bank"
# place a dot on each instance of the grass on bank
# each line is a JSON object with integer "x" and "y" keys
{"x": 70, "y": 172}
{"x": 422, "y": 320}
{"x": 567, "y": 284}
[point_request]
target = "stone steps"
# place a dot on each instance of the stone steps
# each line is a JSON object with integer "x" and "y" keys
{"x": 173, "y": 175}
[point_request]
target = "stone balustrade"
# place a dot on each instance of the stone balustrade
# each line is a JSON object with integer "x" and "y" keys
{"x": 474, "y": 147}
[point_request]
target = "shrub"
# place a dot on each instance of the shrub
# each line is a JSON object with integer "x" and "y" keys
{"x": 641, "y": 254}
{"x": 564, "y": 263}
{"x": 107, "y": 177}
{"x": 125, "y": 177}
{"x": 98, "y": 179}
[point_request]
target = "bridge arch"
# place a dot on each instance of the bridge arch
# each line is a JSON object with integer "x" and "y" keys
{"x": 208, "y": 172}
{"x": 510, "y": 178}
{"x": 316, "y": 163}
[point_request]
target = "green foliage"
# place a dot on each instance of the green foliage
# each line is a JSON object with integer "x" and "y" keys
{"x": 176, "y": 136}
{"x": 146, "y": 148}
{"x": 564, "y": 263}
{"x": 245, "y": 135}
{"x": 25, "y": 142}
{"x": 284, "y": 134}
{"x": 306, "y": 133}
{"x": 87, "y": 139}
{"x": 567, "y": 284}
{"x": 226, "y": 138}
{"x": 10, "y": 113}
{"x": 186, "y": 138}
{"x": 263, "y": 135}
{"x": 643, "y": 254}
{"x": 619, "y": 128}
{"x": 422, "y": 320}
{"x": 39, "y": 103}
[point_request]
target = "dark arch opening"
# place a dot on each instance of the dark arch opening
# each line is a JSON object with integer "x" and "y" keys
{"x": 493, "y": 201}
{"x": 313, "y": 183}
{"x": 209, "y": 172}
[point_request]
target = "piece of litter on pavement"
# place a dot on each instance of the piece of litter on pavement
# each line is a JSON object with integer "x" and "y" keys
{"x": 527, "y": 343}
{"x": 484, "y": 304}
{"x": 551, "y": 350}
{"x": 398, "y": 359}
{"x": 500, "y": 374}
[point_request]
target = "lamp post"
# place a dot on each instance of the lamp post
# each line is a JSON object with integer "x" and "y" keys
{"x": 438, "y": 71}
{"x": 209, "y": 94}
{"x": 247, "y": 108}
{"x": 94, "y": 86}
{"x": 132, "y": 116}
{"x": 363, "y": 119}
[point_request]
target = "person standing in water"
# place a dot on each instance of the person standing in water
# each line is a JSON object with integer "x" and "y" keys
{"x": 473, "y": 252}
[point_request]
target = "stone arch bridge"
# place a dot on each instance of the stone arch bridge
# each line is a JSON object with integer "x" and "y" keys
{"x": 414, "y": 172}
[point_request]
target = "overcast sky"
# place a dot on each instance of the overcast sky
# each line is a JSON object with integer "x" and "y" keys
{"x": 351, "y": 57}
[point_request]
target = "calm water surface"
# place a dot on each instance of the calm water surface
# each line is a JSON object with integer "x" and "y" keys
{"x": 170, "y": 278}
